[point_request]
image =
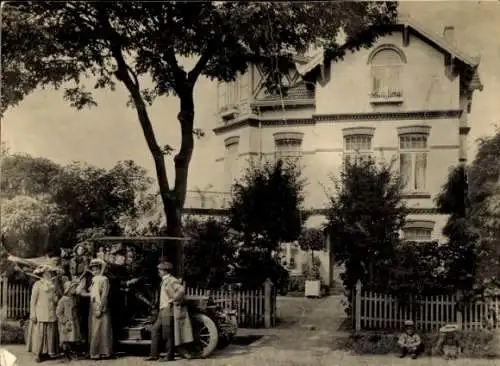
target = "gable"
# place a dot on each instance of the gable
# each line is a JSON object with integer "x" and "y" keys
{"x": 468, "y": 66}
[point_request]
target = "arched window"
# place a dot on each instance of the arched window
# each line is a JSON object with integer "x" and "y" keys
{"x": 288, "y": 147}
{"x": 386, "y": 68}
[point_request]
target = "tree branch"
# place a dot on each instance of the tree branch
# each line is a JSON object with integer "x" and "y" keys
{"x": 123, "y": 75}
{"x": 200, "y": 65}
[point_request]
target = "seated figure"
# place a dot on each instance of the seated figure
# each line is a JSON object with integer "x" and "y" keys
{"x": 409, "y": 342}
{"x": 448, "y": 342}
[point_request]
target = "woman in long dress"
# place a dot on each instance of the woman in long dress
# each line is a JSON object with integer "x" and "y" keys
{"x": 42, "y": 333}
{"x": 100, "y": 331}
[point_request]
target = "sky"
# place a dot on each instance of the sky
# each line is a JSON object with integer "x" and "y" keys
{"x": 45, "y": 125}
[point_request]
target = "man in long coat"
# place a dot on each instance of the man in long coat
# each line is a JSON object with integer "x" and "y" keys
{"x": 172, "y": 324}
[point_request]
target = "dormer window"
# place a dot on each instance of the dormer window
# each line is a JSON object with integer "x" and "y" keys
{"x": 386, "y": 69}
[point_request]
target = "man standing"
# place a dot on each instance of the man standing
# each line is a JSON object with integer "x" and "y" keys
{"x": 171, "y": 293}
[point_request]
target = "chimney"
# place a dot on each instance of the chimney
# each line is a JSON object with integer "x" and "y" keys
{"x": 449, "y": 34}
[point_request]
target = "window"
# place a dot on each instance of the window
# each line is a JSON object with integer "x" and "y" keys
{"x": 230, "y": 93}
{"x": 418, "y": 230}
{"x": 386, "y": 67}
{"x": 417, "y": 234}
{"x": 288, "y": 147}
{"x": 413, "y": 158}
{"x": 231, "y": 161}
{"x": 357, "y": 144}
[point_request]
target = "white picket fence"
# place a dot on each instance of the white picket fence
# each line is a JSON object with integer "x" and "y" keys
{"x": 380, "y": 311}
{"x": 255, "y": 308}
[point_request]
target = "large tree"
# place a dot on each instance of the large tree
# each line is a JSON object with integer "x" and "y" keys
{"x": 94, "y": 200}
{"x": 484, "y": 210}
{"x": 459, "y": 253}
{"x": 49, "y": 43}
{"x": 365, "y": 214}
{"x": 23, "y": 174}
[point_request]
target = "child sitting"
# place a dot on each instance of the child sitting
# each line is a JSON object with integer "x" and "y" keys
{"x": 448, "y": 341}
{"x": 67, "y": 319}
{"x": 409, "y": 342}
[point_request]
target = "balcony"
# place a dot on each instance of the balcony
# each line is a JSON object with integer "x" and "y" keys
{"x": 386, "y": 97}
{"x": 207, "y": 200}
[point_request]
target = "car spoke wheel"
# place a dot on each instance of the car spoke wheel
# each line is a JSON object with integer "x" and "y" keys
{"x": 205, "y": 338}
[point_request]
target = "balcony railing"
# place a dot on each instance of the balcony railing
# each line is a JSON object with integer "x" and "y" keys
{"x": 386, "y": 96}
{"x": 208, "y": 200}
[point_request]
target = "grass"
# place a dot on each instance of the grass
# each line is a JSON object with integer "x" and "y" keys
{"x": 11, "y": 333}
{"x": 475, "y": 344}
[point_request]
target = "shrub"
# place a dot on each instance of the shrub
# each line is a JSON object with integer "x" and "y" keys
{"x": 11, "y": 333}
{"x": 297, "y": 283}
{"x": 475, "y": 343}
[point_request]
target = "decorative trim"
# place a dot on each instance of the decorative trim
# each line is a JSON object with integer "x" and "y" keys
{"x": 351, "y": 131}
{"x": 417, "y": 129}
{"x": 444, "y": 147}
{"x": 253, "y": 120}
{"x": 384, "y": 47}
{"x": 378, "y": 116}
{"x": 421, "y": 224}
{"x": 317, "y": 211}
{"x": 298, "y": 103}
{"x": 233, "y": 140}
{"x": 421, "y": 195}
{"x": 285, "y": 137}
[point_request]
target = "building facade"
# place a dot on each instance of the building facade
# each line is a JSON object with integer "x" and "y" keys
{"x": 405, "y": 100}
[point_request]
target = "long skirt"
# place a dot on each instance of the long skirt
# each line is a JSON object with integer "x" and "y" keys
{"x": 100, "y": 334}
{"x": 43, "y": 338}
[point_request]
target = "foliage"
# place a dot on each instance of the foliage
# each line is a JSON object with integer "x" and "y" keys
{"x": 11, "y": 333}
{"x": 297, "y": 283}
{"x": 417, "y": 270}
{"x": 459, "y": 253}
{"x": 209, "y": 254}
{"x": 254, "y": 266}
{"x": 26, "y": 175}
{"x": 484, "y": 215}
{"x": 126, "y": 42}
{"x": 364, "y": 219}
{"x": 475, "y": 343}
{"x": 26, "y": 223}
{"x": 94, "y": 199}
{"x": 266, "y": 203}
{"x": 311, "y": 240}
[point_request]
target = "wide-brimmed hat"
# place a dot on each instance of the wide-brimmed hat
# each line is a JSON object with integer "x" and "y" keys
{"x": 449, "y": 328}
{"x": 96, "y": 262}
{"x": 409, "y": 323}
{"x": 45, "y": 268}
{"x": 165, "y": 266}
{"x": 82, "y": 245}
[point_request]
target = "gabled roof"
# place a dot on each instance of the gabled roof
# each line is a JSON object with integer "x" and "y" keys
{"x": 436, "y": 40}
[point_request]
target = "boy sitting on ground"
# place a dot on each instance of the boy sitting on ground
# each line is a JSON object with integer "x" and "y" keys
{"x": 409, "y": 342}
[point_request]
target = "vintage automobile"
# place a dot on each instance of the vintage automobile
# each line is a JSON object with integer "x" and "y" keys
{"x": 213, "y": 326}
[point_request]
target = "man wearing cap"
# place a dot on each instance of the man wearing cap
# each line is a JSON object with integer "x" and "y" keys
{"x": 409, "y": 342}
{"x": 172, "y": 324}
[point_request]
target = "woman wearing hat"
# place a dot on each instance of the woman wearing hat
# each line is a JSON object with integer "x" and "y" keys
{"x": 42, "y": 333}
{"x": 100, "y": 331}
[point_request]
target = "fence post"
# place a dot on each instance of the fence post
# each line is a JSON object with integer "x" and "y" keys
{"x": 268, "y": 303}
{"x": 357, "y": 303}
{"x": 5, "y": 294}
{"x": 460, "y": 319}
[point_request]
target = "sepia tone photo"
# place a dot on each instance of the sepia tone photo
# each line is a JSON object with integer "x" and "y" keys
{"x": 250, "y": 183}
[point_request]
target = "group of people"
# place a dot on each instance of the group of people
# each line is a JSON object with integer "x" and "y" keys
{"x": 72, "y": 306}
